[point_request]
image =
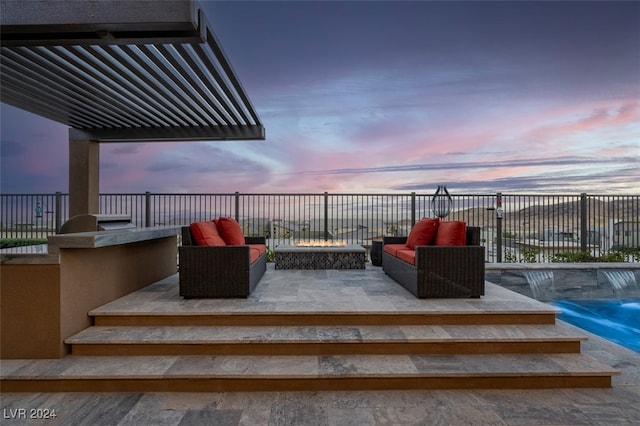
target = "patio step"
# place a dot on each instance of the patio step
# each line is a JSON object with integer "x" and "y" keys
{"x": 303, "y": 373}
{"x": 313, "y": 331}
{"x": 324, "y": 340}
{"x": 304, "y": 318}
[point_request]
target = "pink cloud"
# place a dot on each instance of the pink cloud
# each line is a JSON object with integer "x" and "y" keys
{"x": 575, "y": 119}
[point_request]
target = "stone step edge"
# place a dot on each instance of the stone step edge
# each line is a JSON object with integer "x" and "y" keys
{"x": 309, "y": 319}
{"x": 254, "y": 376}
{"x": 453, "y": 348}
{"x": 243, "y": 384}
{"x": 153, "y": 365}
{"x": 276, "y": 374}
{"x": 318, "y": 334}
{"x": 240, "y": 342}
{"x": 106, "y": 312}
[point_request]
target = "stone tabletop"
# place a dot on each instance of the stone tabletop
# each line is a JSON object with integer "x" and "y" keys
{"x": 33, "y": 254}
{"x": 97, "y": 239}
{"x": 50, "y": 253}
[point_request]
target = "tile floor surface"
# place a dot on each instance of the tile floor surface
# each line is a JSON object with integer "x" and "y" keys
{"x": 616, "y": 406}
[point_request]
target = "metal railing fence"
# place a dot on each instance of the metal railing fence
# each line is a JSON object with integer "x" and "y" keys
{"x": 515, "y": 227}
{"x": 32, "y": 215}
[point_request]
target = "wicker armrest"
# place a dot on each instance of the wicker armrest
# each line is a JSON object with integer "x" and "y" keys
{"x": 215, "y": 271}
{"x": 255, "y": 240}
{"x": 452, "y": 251}
{"x": 394, "y": 240}
{"x": 473, "y": 235}
{"x": 452, "y": 270}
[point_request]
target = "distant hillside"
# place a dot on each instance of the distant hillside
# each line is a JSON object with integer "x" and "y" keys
{"x": 561, "y": 215}
{"x": 598, "y": 212}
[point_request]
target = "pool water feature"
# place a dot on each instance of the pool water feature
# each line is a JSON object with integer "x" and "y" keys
{"x": 541, "y": 284}
{"x": 621, "y": 281}
{"x": 614, "y": 320}
{"x": 602, "y": 298}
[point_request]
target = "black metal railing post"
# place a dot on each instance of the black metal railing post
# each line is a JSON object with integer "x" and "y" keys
{"x": 58, "y": 212}
{"x": 413, "y": 209}
{"x": 584, "y": 231}
{"x": 237, "y": 207}
{"x": 499, "y": 227}
{"x": 147, "y": 209}
{"x": 326, "y": 216}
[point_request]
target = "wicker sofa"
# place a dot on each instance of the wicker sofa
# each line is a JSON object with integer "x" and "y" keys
{"x": 440, "y": 271}
{"x": 222, "y": 271}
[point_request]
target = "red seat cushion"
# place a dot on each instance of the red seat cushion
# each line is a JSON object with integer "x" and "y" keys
{"x": 407, "y": 255}
{"x": 261, "y": 248}
{"x": 451, "y": 233}
{"x": 230, "y": 231}
{"x": 206, "y": 234}
{"x": 254, "y": 252}
{"x": 422, "y": 233}
{"x": 392, "y": 249}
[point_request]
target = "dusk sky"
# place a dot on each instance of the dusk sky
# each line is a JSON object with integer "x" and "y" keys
{"x": 392, "y": 96}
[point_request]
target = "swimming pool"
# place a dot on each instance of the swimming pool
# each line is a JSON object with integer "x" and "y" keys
{"x": 615, "y": 320}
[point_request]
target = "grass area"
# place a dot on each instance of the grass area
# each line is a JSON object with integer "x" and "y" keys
{"x": 20, "y": 242}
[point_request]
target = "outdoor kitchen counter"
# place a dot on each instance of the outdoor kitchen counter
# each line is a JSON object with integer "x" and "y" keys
{"x": 52, "y": 287}
{"x": 96, "y": 239}
{"x": 50, "y": 253}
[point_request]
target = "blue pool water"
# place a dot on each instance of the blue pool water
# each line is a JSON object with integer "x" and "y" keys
{"x": 615, "y": 320}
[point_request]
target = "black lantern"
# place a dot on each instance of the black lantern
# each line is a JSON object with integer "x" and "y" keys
{"x": 441, "y": 202}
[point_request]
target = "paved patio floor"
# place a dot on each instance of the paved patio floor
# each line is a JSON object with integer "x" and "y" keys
{"x": 616, "y": 406}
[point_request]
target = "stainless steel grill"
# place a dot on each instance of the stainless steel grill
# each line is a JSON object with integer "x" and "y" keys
{"x": 96, "y": 222}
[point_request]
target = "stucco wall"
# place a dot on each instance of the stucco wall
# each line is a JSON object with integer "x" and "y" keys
{"x": 30, "y": 307}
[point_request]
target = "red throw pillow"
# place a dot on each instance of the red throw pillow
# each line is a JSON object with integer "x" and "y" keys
{"x": 230, "y": 231}
{"x": 422, "y": 233}
{"x": 206, "y": 234}
{"x": 451, "y": 233}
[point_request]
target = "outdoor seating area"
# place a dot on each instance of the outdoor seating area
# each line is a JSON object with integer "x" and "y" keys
{"x": 437, "y": 259}
{"x": 217, "y": 260}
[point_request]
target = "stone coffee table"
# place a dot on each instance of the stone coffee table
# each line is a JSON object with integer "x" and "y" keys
{"x": 349, "y": 256}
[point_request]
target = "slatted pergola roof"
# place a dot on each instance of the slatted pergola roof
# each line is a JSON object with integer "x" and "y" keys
{"x": 121, "y": 71}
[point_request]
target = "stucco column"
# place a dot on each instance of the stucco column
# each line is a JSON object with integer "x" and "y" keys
{"x": 84, "y": 177}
